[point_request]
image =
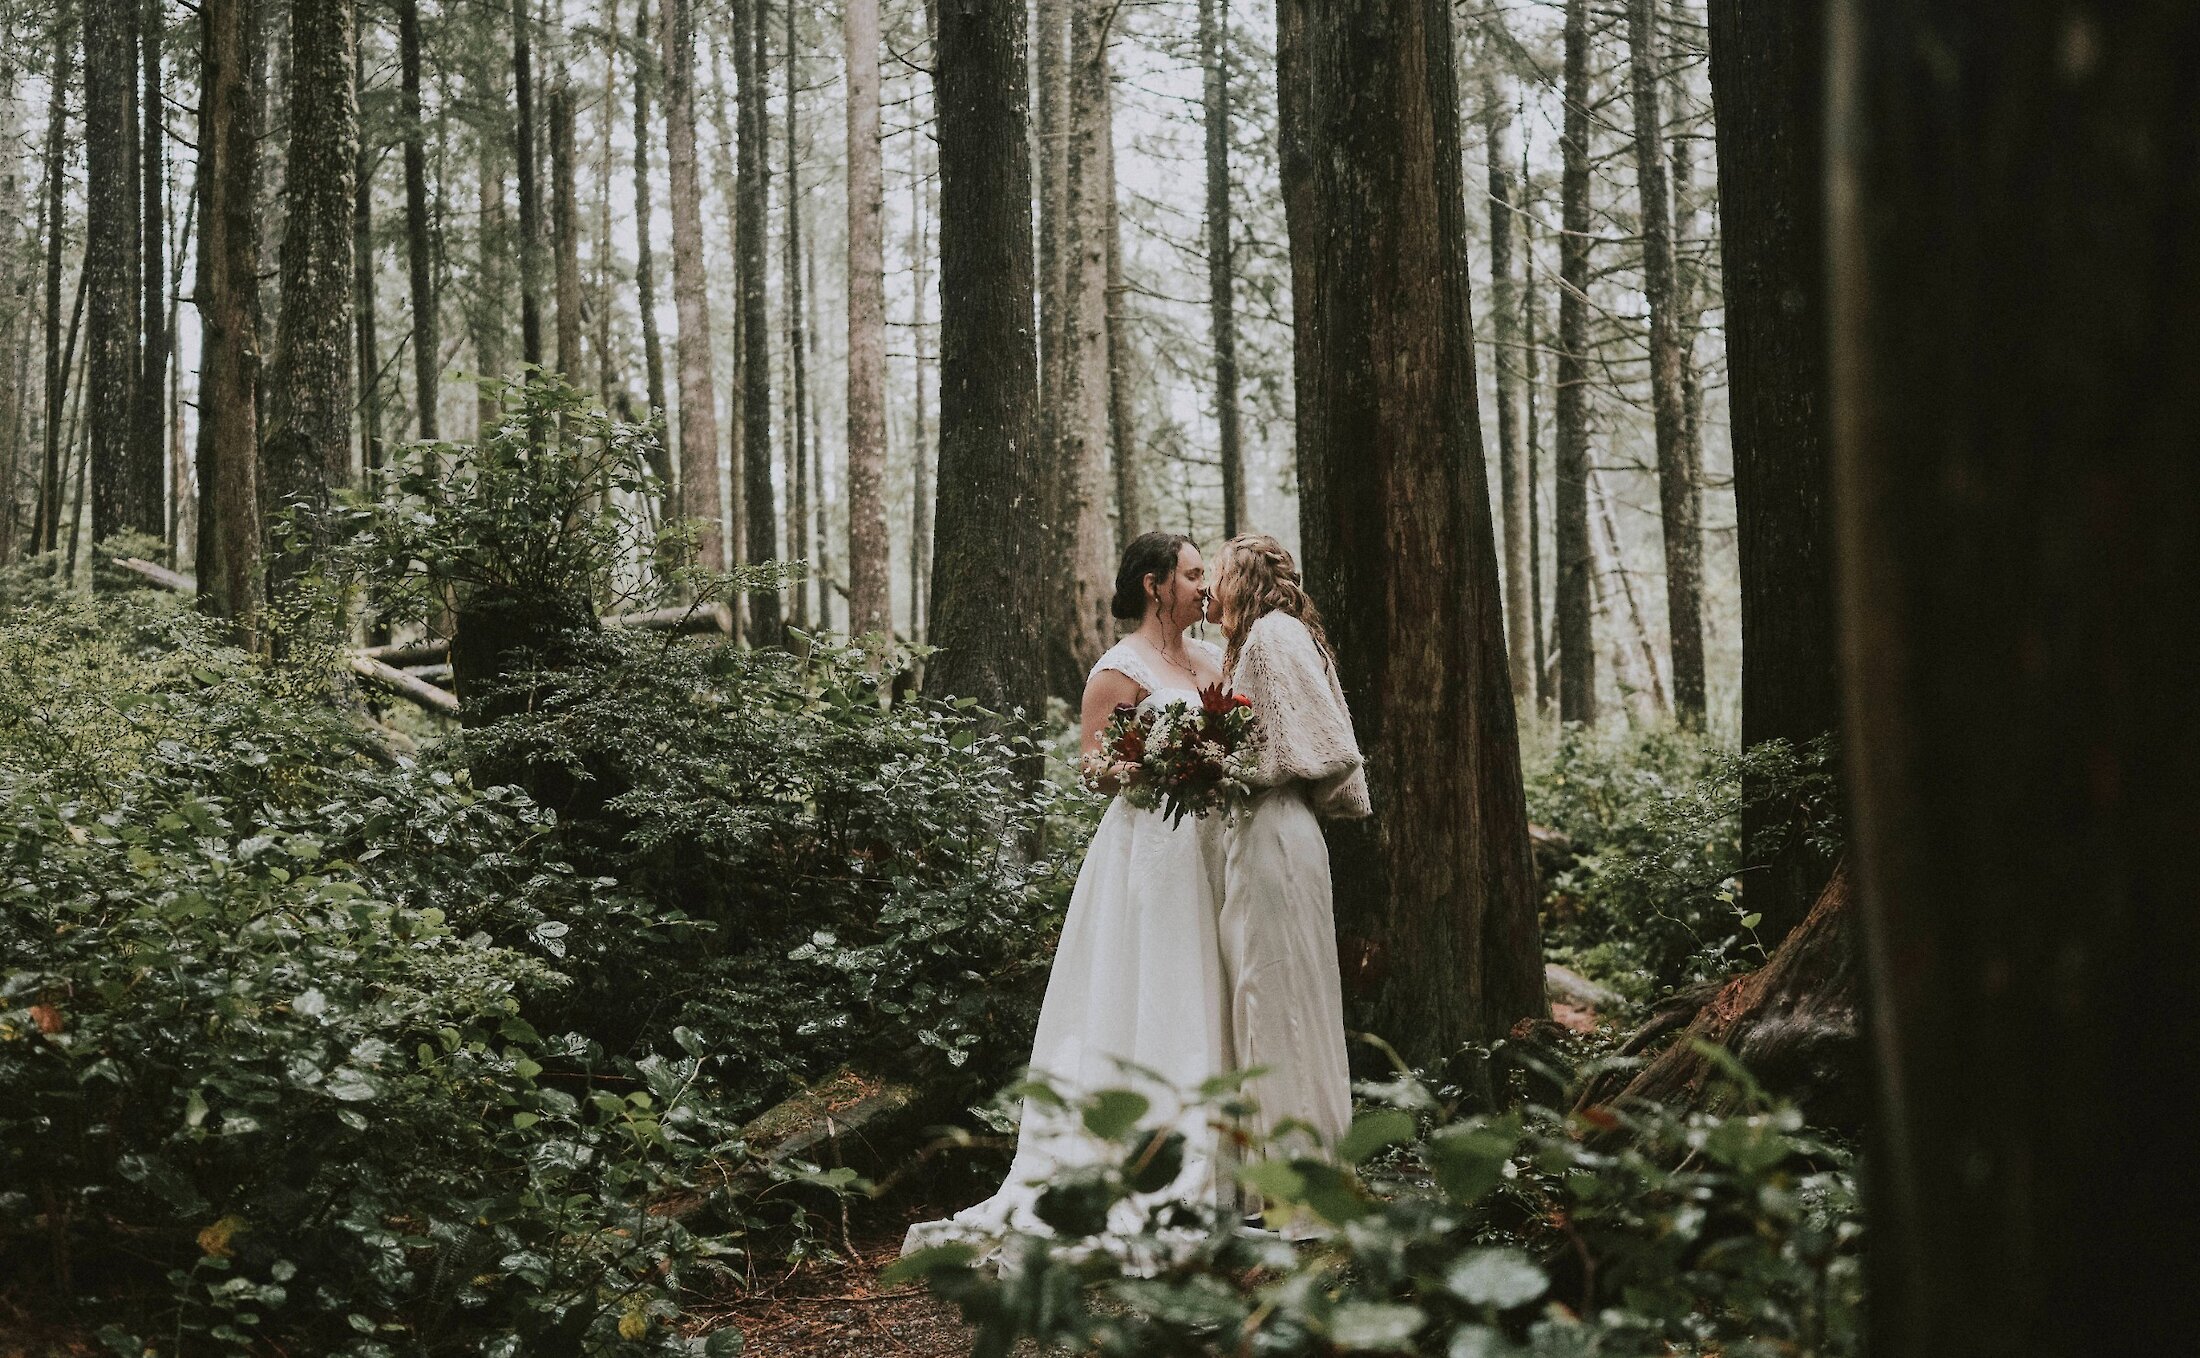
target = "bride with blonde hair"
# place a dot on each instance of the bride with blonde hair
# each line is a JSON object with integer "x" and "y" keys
{"x": 1278, "y": 931}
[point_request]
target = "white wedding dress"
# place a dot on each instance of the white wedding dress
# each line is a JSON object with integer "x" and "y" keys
{"x": 1278, "y": 930}
{"x": 1136, "y": 1000}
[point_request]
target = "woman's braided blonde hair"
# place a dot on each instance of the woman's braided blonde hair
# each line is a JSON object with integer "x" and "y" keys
{"x": 1255, "y": 577}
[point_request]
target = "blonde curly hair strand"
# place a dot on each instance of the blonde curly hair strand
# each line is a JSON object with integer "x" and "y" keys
{"x": 1255, "y": 577}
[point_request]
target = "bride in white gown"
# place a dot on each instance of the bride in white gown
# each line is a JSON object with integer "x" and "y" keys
{"x": 1278, "y": 932}
{"x": 1136, "y": 998}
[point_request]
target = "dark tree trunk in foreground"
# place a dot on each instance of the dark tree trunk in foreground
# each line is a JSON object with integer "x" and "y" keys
{"x": 760, "y": 508}
{"x": 1680, "y": 490}
{"x": 2015, "y": 353}
{"x": 1439, "y": 889}
{"x": 427, "y": 341}
{"x": 799, "y": 546}
{"x": 1221, "y": 271}
{"x": 111, "y": 268}
{"x": 1514, "y": 487}
{"x": 1577, "y": 658}
{"x": 530, "y": 191}
{"x": 699, "y": 497}
{"x": 1765, "y": 74}
{"x": 308, "y": 441}
{"x": 987, "y": 587}
{"x": 227, "y": 293}
{"x": 870, "y": 576}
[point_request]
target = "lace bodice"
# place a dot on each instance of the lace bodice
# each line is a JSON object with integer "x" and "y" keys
{"x": 1128, "y": 659}
{"x": 1305, "y": 729}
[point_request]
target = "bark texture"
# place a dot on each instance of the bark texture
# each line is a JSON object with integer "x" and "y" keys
{"x": 987, "y": 589}
{"x": 307, "y": 443}
{"x": 699, "y": 497}
{"x": 1680, "y": 488}
{"x": 565, "y": 230}
{"x": 870, "y": 579}
{"x": 760, "y": 540}
{"x": 111, "y": 266}
{"x": 530, "y": 187}
{"x": 1577, "y": 661}
{"x": 2015, "y": 285}
{"x": 1513, "y": 485}
{"x": 645, "y": 259}
{"x": 427, "y": 334}
{"x": 227, "y": 293}
{"x": 1766, "y": 74}
{"x": 1436, "y": 896}
{"x": 1214, "y": 42}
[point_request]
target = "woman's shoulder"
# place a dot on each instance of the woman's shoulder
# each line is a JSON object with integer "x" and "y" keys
{"x": 1278, "y": 628}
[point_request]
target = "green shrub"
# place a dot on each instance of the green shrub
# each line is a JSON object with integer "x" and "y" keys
{"x": 1654, "y": 896}
{"x": 1464, "y": 1236}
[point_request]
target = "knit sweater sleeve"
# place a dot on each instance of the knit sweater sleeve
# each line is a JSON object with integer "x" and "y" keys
{"x": 1303, "y": 730}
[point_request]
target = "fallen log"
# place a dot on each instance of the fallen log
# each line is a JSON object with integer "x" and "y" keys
{"x": 156, "y": 574}
{"x": 404, "y": 685}
{"x": 1792, "y": 1023}
{"x": 405, "y": 654}
{"x": 682, "y": 619}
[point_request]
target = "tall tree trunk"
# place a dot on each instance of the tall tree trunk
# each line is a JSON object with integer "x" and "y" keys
{"x": 608, "y": 375}
{"x": 1577, "y": 663}
{"x": 227, "y": 294}
{"x": 821, "y": 540}
{"x": 565, "y": 226}
{"x": 490, "y": 319}
{"x": 1680, "y": 484}
{"x": 2015, "y": 347}
{"x": 1087, "y": 537}
{"x": 645, "y": 262}
{"x": 920, "y": 427}
{"x": 699, "y": 498}
{"x": 1214, "y": 60}
{"x": 799, "y": 545}
{"x": 729, "y": 196}
{"x": 1051, "y": 126}
{"x": 530, "y": 188}
{"x": 1531, "y": 345}
{"x": 308, "y": 442}
{"x": 149, "y": 445}
{"x": 1513, "y": 484}
{"x": 1438, "y": 891}
{"x": 1130, "y": 506}
{"x": 1766, "y": 75}
{"x": 870, "y": 574}
{"x": 760, "y": 503}
{"x": 111, "y": 267}
{"x": 46, "y": 526}
{"x": 987, "y": 586}
{"x": 362, "y": 251}
{"x": 419, "y": 243}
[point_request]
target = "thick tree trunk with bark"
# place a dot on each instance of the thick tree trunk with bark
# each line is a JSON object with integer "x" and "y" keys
{"x": 699, "y": 497}
{"x": 227, "y": 294}
{"x": 799, "y": 546}
{"x": 530, "y": 189}
{"x": 1051, "y": 127}
{"x": 645, "y": 260}
{"x": 1680, "y": 481}
{"x": 1766, "y": 74}
{"x": 870, "y": 577}
{"x": 307, "y": 447}
{"x": 1577, "y": 662}
{"x": 987, "y": 581}
{"x": 46, "y": 525}
{"x": 1438, "y": 891}
{"x": 760, "y": 506}
{"x": 427, "y": 335}
{"x": 1214, "y": 60}
{"x": 2015, "y": 299}
{"x": 149, "y": 436}
{"x": 565, "y": 230}
{"x": 1514, "y": 488}
{"x": 111, "y": 268}
{"x": 1087, "y": 537}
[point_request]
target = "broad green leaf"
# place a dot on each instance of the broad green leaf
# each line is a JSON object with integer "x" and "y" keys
{"x": 1112, "y": 1112}
{"x": 1372, "y": 1131}
{"x": 1499, "y": 1278}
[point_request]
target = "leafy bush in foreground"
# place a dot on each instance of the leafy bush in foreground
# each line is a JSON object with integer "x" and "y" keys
{"x": 1516, "y": 1236}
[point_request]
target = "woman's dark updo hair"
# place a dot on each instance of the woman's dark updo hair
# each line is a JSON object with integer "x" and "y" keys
{"x": 1153, "y": 554}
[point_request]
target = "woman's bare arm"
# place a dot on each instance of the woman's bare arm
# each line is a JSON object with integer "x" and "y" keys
{"x": 1104, "y": 692}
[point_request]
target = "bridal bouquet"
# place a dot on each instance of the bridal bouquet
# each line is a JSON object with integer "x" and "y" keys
{"x": 1175, "y": 758}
